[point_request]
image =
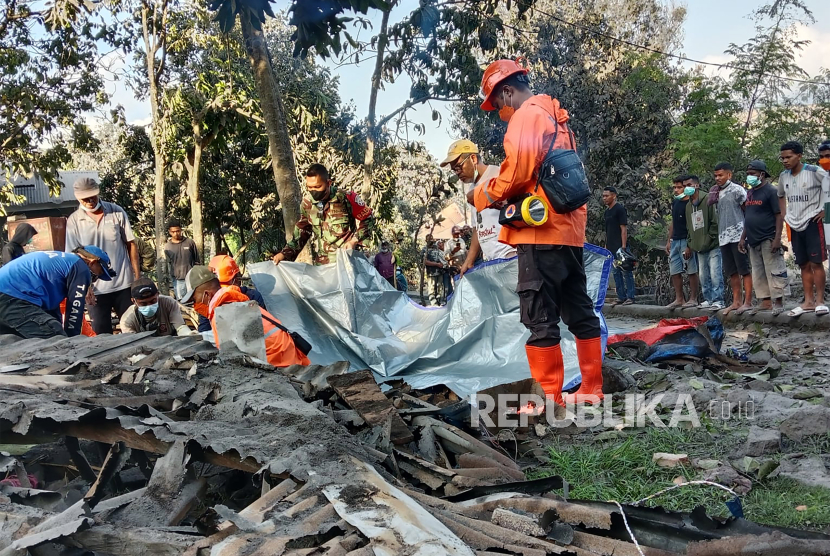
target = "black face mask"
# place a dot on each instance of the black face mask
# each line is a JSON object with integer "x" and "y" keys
{"x": 319, "y": 195}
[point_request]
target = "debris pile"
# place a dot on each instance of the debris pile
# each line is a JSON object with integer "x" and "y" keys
{"x": 135, "y": 445}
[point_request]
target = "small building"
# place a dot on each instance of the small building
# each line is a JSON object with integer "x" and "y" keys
{"x": 38, "y": 200}
{"x": 46, "y": 212}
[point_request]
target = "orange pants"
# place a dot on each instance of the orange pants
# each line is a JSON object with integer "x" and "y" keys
{"x": 86, "y": 328}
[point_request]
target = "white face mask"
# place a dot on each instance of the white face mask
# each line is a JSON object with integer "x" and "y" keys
{"x": 149, "y": 310}
{"x": 91, "y": 209}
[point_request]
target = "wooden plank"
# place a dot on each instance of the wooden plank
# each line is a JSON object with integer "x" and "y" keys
{"x": 111, "y": 539}
{"x": 362, "y": 393}
{"x": 110, "y": 432}
{"x": 115, "y": 460}
{"x": 79, "y": 459}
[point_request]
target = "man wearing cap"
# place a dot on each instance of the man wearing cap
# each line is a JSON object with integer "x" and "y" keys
{"x": 763, "y": 225}
{"x": 552, "y": 281}
{"x": 106, "y": 226}
{"x": 32, "y": 288}
{"x": 153, "y": 312}
{"x": 207, "y": 293}
{"x": 335, "y": 218}
{"x": 465, "y": 161}
{"x": 226, "y": 269}
{"x": 182, "y": 253}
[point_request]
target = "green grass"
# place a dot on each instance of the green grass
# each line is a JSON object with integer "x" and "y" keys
{"x": 623, "y": 470}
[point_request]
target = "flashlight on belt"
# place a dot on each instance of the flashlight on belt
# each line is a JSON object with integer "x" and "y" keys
{"x": 529, "y": 211}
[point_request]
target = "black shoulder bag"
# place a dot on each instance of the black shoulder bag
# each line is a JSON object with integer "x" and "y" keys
{"x": 562, "y": 177}
{"x": 301, "y": 343}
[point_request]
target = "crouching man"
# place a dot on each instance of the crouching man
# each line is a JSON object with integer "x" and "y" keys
{"x": 207, "y": 293}
{"x": 153, "y": 312}
{"x": 33, "y": 286}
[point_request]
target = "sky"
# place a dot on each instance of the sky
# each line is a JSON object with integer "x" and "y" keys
{"x": 710, "y": 26}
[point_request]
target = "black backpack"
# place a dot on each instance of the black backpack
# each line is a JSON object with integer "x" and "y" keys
{"x": 562, "y": 177}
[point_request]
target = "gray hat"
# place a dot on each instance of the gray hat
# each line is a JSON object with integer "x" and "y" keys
{"x": 85, "y": 188}
{"x": 759, "y": 165}
{"x": 196, "y": 276}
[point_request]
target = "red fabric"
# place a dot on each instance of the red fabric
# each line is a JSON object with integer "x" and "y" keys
{"x": 665, "y": 327}
{"x": 359, "y": 208}
{"x": 13, "y": 480}
{"x": 86, "y": 328}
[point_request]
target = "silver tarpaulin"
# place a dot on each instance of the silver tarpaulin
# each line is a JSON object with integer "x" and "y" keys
{"x": 349, "y": 312}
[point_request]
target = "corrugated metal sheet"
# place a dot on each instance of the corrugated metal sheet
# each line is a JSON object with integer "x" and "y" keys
{"x": 37, "y": 192}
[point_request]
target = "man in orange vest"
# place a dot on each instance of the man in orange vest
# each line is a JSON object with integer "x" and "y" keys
{"x": 552, "y": 282}
{"x": 207, "y": 293}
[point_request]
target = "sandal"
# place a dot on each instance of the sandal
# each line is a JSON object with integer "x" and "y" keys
{"x": 742, "y": 310}
{"x": 689, "y": 305}
{"x": 822, "y": 310}
{"x": 798, "y": 311}
{"x": 777, "y": 311}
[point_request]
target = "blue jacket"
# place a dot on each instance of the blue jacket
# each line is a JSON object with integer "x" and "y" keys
{"x": 45, "y": 279}
{"x": 254, "y": 295}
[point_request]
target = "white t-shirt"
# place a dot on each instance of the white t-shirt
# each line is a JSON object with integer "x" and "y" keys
{"x": 804, "y": 194}
{"x": 487, "y": 223}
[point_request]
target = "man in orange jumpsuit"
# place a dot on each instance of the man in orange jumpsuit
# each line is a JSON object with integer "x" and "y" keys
{"x": 207, "y": 293}
{"x": 552, "y": 283}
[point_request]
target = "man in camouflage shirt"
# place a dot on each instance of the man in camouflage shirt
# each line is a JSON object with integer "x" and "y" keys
{"x": 336, "y": 218}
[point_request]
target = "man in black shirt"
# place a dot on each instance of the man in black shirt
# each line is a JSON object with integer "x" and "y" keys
{"x": 680, "y": 261}
{"x": 763, "y": 224}
{"x": 616, "y": 237}
{"x": 182, "y": 254}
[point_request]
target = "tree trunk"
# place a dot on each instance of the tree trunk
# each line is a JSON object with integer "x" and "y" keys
{"x": 151, "y": 45}
{"x": 161, "y": 259}
{"x": 371, "y": 132}
{"x": 193, "y": 191}
{"x": 273, "y": 112}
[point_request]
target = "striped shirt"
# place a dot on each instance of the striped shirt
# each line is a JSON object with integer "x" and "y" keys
{"x": 805, "y": 198}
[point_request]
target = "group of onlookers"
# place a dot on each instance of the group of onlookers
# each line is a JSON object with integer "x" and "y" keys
{"x": 737, "y": 231}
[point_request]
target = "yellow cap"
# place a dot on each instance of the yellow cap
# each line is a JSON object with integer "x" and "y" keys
{"x": 462, "y": 146}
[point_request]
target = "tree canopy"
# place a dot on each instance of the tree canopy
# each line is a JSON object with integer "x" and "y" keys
{"x": 243, "y": 103}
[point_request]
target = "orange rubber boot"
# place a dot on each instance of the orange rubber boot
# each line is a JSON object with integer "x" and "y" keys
{"x": 548, "y": 369}
{"x": 589, "y": 353}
